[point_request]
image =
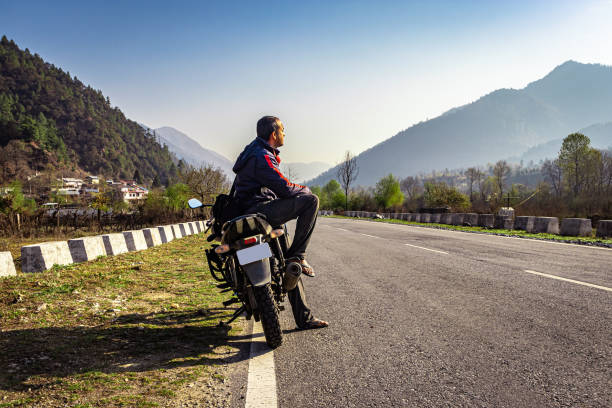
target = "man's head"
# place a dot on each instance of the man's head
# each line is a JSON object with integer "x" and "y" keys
{"x": 271, "y": 129}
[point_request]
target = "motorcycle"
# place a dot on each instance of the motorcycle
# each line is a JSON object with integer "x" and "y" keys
{"x": 250, "y": 262}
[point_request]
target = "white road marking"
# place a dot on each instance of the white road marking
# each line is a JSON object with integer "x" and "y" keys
{"x": 427, "y": 249}
{"x": 371, "y": 236}
{"x": 568, "y": 280}
{"x": 342, "y": 229}
{"x": 486, "y": 235}
{"x": 261, "y": 385}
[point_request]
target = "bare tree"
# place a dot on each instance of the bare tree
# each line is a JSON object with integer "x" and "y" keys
{"x": 471, "y": 174}
{"x": 205, "y": 182}
{"x": 411, "y": 186}
{"x": 501, "y": 170}
{"x": 347, "y": 173}
{"x": 553, "y": 173}
{"x": 480, "y": 178}
{"x": 290, "y": 172}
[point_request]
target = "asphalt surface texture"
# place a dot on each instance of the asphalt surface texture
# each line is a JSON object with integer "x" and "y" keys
{"x": 423, "y": 317}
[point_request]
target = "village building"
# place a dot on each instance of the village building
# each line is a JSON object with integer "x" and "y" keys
{"x": 134, "y": 192}
{"x": 69, "y": 182}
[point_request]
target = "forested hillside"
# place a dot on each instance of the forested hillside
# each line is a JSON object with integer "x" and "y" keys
{"x": 50, "y": 120}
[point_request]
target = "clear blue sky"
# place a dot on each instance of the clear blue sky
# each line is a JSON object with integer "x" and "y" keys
{"x": 343, "y": 75}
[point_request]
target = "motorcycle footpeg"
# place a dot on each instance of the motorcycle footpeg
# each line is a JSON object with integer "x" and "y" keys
{"x": 231, "y": 302}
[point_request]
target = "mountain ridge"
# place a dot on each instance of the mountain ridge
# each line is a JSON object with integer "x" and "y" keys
{"x": 191, "y": 151}
{"x": 503, "y": 123}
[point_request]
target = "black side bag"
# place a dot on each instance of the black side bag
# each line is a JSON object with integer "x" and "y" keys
{"x": 224, "y": 209}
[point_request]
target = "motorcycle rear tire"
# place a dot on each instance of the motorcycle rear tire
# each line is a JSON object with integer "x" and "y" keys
{"x": 268, "y": 313}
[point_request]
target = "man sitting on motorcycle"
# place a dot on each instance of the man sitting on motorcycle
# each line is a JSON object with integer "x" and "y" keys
{"x": 260, "y": 187}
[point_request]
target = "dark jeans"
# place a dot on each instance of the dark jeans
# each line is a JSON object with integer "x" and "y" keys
{"x": 278, "y": 212}
{"x": 303, "y": 207}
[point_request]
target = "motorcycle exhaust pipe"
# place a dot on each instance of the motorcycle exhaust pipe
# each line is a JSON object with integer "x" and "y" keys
{"x": 293, "y": 271}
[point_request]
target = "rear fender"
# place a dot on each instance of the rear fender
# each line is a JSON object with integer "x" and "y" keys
{"x": 258, "y": 272}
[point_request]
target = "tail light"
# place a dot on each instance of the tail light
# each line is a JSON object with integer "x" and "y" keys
{"x": 250, "y": 240}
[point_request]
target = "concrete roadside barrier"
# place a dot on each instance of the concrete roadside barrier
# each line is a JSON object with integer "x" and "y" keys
{"x": 135, "y": 240}
{"x": 165, "y": 233}
{"x": 194, "y": 229}
{"x": 604, "y": 228}
{"x": 486, "y": 220}
{"x": 503, "y": 222}
{"x": 470, "y": 220}
{"x": 548, "y": 225}
{"x": 176, "y": 230}
{"x": 184, "y": 229}
{"x": 576, "y": 227}
{"x": 86, "y": 248}
{"x": 447, "y": 218}
{"x": 458, "y": 218}
{"x": 416, "y": 217}
{"x": 7, "y": 266}
{"x": 114, "y": 244}
{"x": 189, "y": 228}
{"x": 524, "y": 223}
{"x": 40, "y": 257}
{"x": 152, "y": 237}
{"x": 425, "y": 217}
{"x": 435, "y": 218}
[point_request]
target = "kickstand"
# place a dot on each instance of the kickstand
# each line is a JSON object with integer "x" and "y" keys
{"x": 234, "y": 317}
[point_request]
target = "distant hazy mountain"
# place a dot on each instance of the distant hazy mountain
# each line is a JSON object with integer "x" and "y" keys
{"x": 504, "y": 123}
{"x": 300, "y": 172}
{"x": 191, "y": 151}
{"x": 600, "y": 135}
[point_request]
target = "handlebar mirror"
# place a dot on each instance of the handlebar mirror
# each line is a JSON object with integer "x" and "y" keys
{"x": 194, "y": 203}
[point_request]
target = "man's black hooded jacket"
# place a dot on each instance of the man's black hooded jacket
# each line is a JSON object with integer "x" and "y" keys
{"x": 258, "y": 178}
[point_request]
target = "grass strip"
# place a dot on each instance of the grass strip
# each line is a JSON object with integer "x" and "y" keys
{"x": 136, "y": 330}
{"x": 509, "y": 233}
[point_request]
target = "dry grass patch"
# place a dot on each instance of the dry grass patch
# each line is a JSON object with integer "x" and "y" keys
{"x": 138, "y": 330}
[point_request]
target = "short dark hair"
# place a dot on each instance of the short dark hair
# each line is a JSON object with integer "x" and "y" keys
{"x": 267, "y": 125}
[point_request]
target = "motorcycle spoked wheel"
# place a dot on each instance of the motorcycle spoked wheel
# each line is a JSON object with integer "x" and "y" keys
{"x": 268, "y": 314}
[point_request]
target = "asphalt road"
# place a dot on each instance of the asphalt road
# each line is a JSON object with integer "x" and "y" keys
{"x": 423, "y": 317}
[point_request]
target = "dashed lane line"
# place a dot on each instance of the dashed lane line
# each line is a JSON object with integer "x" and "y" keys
{"x": 434, "y": 230}
{"x": 427, "y": 249}
{"x": 371, "y": 236}
{"x": 261, "y": 383}
{"x": 569, "y": 280}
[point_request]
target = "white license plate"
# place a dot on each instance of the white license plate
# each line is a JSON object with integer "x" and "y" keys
{"x": 254, "y": 253}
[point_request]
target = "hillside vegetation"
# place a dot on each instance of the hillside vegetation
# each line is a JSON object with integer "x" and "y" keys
{"x": 50, "y": 120}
